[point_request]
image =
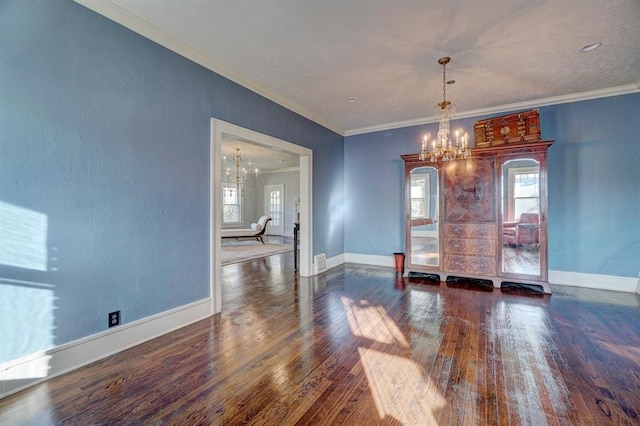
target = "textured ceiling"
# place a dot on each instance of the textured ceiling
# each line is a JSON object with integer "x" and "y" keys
{"x": 312, "y": 56}
{"x": 265, "y": 159}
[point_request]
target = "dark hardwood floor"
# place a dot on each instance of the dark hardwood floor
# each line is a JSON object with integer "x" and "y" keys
{"x": 357, "y": 346}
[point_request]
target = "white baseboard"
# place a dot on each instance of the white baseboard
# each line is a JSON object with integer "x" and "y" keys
{"x": 24, "y": 372}
{"x": 595, "y": 281}
{"x": 369, "y": 259}
{"x": 334, "y": 261}
{"x": 362, "y": 259}
{"x": 573, "y": 279}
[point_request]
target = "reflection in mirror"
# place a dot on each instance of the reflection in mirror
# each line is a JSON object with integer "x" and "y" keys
{"x": 424, "y": 216}
{"x": 521, "y": 217}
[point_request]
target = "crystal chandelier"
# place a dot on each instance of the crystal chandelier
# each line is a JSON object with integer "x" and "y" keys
{"x": 237, "y": 171}
{"x": 443, "y": 147}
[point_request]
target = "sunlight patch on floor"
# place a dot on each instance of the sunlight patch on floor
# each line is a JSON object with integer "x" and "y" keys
{"x": 372, "y": 322}
{"x": 400, "y": 389}
{"x": 36, "y": 401}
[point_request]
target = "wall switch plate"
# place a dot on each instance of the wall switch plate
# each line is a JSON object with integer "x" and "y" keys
{"x": 114, "y": 319}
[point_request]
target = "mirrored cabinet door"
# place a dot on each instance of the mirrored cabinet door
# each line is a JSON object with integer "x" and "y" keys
{"x": 523, "y": 213}
{"x": 423, "y": 224}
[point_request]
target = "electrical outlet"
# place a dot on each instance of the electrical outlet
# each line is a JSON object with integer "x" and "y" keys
{"x": 114, "y": 319}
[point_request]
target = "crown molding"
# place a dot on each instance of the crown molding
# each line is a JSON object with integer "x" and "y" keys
{"x": 131, "y": 21}
{"x": 536, "y": 103}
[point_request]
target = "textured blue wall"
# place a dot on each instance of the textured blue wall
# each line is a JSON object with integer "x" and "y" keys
{"x": 594, "y": 186}
{"x": 106, "y": 135}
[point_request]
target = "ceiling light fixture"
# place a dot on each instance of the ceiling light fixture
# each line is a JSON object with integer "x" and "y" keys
{"x": 443, "y": 147}
{"x": 590, "y": 47}
{"x": 241, "y": 166}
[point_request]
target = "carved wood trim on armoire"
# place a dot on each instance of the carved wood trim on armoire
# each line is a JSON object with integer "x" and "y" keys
{"x": 474, "y": 232}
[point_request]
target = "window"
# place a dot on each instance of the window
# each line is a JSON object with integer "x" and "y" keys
{"x": 419, "y": 200}
{"x": 526, "y": 191}
{"x": 231, "y": 205}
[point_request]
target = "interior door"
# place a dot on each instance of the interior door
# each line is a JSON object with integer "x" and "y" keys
{"x": 274, "y": 206}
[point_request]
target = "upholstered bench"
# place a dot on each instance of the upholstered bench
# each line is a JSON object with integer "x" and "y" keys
{"x": 256, "y": 231}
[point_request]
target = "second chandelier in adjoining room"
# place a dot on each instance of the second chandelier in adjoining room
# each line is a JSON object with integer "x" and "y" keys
{"x": 237, "y": 169}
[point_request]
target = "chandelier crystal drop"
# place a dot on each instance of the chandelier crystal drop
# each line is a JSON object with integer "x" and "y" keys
{"x": 237, "y": 170}
{"x": 445, "y": 147}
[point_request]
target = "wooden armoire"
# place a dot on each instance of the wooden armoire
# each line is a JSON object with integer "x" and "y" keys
{"x": 483, "y": 217}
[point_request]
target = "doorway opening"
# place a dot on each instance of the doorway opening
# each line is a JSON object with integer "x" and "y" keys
{"x": 221, "y": 129}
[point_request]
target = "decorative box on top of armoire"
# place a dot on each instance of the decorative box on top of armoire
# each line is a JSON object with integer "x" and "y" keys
{"x": 517, "y": 128}
{"x": 471, "y": 200}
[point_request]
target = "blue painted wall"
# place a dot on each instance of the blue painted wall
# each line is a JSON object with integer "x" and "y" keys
{"x": 104, "y": 136}
{"x": 594, "y": 186}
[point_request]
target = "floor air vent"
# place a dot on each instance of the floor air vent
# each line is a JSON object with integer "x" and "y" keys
{"x": 320, "y": 262}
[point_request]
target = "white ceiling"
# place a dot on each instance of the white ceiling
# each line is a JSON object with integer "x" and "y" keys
{"x": 265, "y": 159}
{"x": 312, "y": 55}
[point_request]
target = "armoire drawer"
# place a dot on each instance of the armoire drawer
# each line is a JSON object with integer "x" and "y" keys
{"x": 472, "y": 265}
{"x": 470, "y": 230}
{"x": 470, "y": 246}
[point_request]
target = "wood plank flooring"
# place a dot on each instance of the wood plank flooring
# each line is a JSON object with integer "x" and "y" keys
{"x": 356, "y": 346}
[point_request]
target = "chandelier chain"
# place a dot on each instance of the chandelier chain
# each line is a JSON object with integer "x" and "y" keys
{"x": 444, "y": 84}
{"x": 444, "y": 147}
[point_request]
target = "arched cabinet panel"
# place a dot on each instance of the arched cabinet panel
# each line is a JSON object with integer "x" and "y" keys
{"x": 422, "y": 209}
